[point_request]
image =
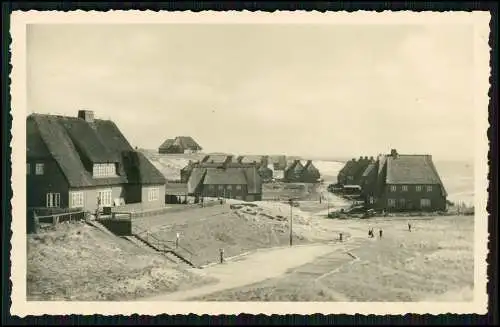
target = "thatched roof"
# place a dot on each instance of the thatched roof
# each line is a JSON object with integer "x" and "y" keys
{"x": 76, "y": 145}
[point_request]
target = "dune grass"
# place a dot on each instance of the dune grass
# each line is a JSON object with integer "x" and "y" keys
{"x": 80, "y": 262}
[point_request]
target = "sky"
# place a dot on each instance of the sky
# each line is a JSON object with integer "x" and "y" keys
{"x": 308, "y": 90}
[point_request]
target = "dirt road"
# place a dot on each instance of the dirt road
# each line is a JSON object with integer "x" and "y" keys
{"x": 254, "y": 268}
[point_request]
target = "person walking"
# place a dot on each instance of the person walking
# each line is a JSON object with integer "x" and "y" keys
{"x": 380, "y": 233}
{"x": 221, "y": 252}
{"x": 409, "y": 227}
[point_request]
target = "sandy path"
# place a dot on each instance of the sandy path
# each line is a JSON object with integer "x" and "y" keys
{"x": 252, "y": 268}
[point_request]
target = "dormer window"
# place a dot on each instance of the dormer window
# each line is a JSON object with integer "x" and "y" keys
{"x": 104, "y": 170}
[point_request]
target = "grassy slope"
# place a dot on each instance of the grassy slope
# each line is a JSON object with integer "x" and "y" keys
{"x": 205, "y": 230}
{"x": 433, "y": 262}
{"x": 79, "y": 262}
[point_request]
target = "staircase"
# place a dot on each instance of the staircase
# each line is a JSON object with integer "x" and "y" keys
{"x": 148, "y": 240}
{"x": 146, "y": 246}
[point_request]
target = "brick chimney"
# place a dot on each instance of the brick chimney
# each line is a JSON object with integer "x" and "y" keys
{"x": 87, "y": 115}
{"x": 394, "y": 153}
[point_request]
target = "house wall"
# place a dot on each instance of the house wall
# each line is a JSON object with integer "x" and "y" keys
{"x": 172, "y": 149}
{"x": 369, "y": 189}
{"x": 160, "y": 202}
{"x": 90, "y": 195}
{"x": 52, "y": 181}
{"x": 228, "y": 191}
{"x": 278, "y": 174}
{"x": 412, "y": 198}
{"x": 130, "y": 194}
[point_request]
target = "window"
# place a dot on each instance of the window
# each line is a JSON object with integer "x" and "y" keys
{"x": 221, "y": 187}
{"x": 238, "y": 187}
{"x": 105, "y": 197}
{"x": 229, "y": 187}
{"x": 429, "y": 188}
{"x": 39, "y": 169}
{"x": 76, "y": 199}
{"x": 405, "y": 188}
{"x": 391, "y": 203}
{"x": 53, "y": 200}
{"x": 418, "y": 188}
{"x": 425, "y": 203}
{"x": 153, "y": 194}
{"x": 28, "y": 169}
{"x": 393, "y": 188}
{"x": 402, "y": 203}
{"x": 211, "y": 187}
{"x": 372, "y": 200}
{"x": 104, "y": 170}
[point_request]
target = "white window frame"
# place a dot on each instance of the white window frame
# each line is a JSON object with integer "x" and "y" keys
{"x": 372, "y": 200}
{"x": 153, "y": 194}
{"x": 77, "y": 199}
{"x": 104, "y": 170}
{"x": 39, "y": 168}
{"x": 393, "y": 188}
{"x": 404, "y": 188}
{"x": 53, "y": 200}
{"x": 425, "y": 203}
{"x": 28, "y": 168}
{"x": 418, "y": 188}
{"x": 221, "y": 187}
{"x": 429, "y": 188}
{"x": 238, "y": 187}
{"x": 391, "y": 203}
{"x": 103, "y": 196}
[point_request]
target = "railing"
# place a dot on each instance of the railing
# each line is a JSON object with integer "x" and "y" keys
{"x": 166, "y": 246}
{"x": 55, "y": 219}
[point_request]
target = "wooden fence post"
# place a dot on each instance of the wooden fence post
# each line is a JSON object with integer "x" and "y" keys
{"x": 36, "y": 222}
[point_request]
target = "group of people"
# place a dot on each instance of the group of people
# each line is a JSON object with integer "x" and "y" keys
{"x": 380, "y": 232}
{"x": 371, "y": 233}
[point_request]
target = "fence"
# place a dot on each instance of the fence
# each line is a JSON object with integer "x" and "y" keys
{"x": 55, "y": 219}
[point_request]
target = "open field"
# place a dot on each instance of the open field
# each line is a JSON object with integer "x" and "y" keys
{"x": 80, "y": 262}
{"x": 432, "y": 262}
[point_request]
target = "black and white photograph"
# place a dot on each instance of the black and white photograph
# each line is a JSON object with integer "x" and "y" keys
{"x": 240, "y": 162}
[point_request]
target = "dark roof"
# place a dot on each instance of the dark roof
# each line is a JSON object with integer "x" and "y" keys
{"x": 347, "y": 167}
{"x": 295, "y": 165}
{"x": 310, "y": 166}
{"x": 76, "y": 145}
{"x": 227, "y": 176}
{"x": 176, "y": 189}
{"x": 230, "y": 176}
{"x": 168, "y": 143}
{"x": 195, "y": 178}
{"x": 216, "y": 158}
{"x": 183, "y": 142}
{"x": 411, "y": 169}
{"x": 369, "y": 169}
